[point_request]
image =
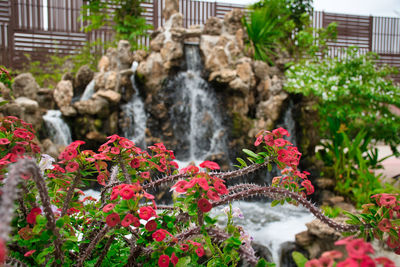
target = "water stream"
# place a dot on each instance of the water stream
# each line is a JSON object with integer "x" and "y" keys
{"x": 89, "y": 91}
{"x": 58, "y": 130}
{"x": 196, "y": 117}
{"x": 134, "y": 115}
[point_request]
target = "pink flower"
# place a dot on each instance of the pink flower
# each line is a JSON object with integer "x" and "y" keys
{"x": 72, "y": 166}
{"x": 280, "y": 132}
{"x": 19, "y": 150}
{"x": 31, "y": 218}
{"x": 101, "y": 179}
{"x": 4, "y": 141}
{"x": 209, "y": 165}
{"x": 128, "y": 220}
{"x": 190, "y": 170}
{"x": 126, "y": 143}
{"x": 184, "y": 247}
{"x": 145, "y": 175}
{"x": 221, "y": 188}
{"x": 175, "y": 259}
{"x": 180, "y": 186}
{"x": 308, "y": 186}
{"x": 113, "y": 219}
{"x": 163, "y": 261}
{"x": 204, "y": 205}
{"x": 212, "y": 195}
{"x": 385, "y": 262}
{"x": 258, "y": 141}
{"x": 384, "y": 225}
{"x": 333, "y": 254}
{"x": 151, "y": 226}
{"x": 3, "y": 252}
{"x": 135, "y": 163}
{"x": 29, "y": 253}
{"x": 127, "y": 192}
{"x": 146, "y": 213}
{"x": 114, "y": 150}
{"x": 200, "y": 251}
{"x": 280, "y": 142}
{"x": 269, "y": 140}
{"x": 202, "y": 182}
{"x": 159, "y": 235}
{"x": 313, "y": 263}
{"x": 108, "y": 207}
{"x": 357, "y": 248}
{"x": 349, "y": 262}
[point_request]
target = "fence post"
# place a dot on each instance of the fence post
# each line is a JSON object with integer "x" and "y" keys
{"x": 371, "y": 35}
{"x": 155, "y": 14}
{"x": 11, "y": 27}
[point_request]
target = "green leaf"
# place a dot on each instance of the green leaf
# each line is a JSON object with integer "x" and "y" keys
{"x": 242, "y": 162}
{"x": 299, "y": 259}
{"x": 250, "y": 153}
{"x": 261, "y": 263}
{"x": 183, "y": 262}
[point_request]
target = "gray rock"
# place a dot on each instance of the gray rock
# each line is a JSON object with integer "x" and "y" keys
{"x": 213, "y": 26}
{"x": 82, "y": 79}
{"x": 124, "y": 54}
{"x": 25, "y": 85}
{"x": 63, "y": 93}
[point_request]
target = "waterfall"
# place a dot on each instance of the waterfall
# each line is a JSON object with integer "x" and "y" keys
{"x": 195, "y": 116}
{"x": 58, "y": 130}
{"x": 89, "y": 91}
{"x": 288, "y": 123}
{"x": 134, "y": 115}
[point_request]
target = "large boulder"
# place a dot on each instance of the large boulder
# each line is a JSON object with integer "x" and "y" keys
{"x": 125, "y": 56}
{"x": 82, "y": 79}
{"x": 25, "y": 85}
{"x": 271, "y": 108}
{"x": 171, "y": 7}
{"x": 233, "y": 21}
{"x": 63, "y": 93}
{"x": 94, "y": 106}
{"x": 213, "y": 26}
{"x": 5, "y": 91}
{"x": 152, "y": 72}
{"x": 171, "y": 53}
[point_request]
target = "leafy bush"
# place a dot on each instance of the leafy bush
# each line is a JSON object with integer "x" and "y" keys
{"x": 351, "y": 90}
{"x": 55, "y": 223}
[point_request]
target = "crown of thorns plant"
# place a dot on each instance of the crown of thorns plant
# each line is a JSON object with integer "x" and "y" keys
{"x": 48, "y": 220}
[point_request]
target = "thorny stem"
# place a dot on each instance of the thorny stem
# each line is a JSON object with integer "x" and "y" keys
{"x": 124, "y": 170}
{"x": 104, "y": 251}
{"x": 30, "y": 165}
{"x": 281, "y": 193}
{"x": 223, "y": 175}
{"x": 70, "y": 193}
{"x": 91, "y": 246}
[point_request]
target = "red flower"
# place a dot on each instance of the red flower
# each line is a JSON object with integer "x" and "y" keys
{"x": 313, "y": 263}
{"x": 213, "y": 195}
{"x": 113, "y": 219}
{"x": 200, "y": 251}
{"x": 385, "y": 262}
{"x": 135, "y": 163}
{"x": 101, "y": 179}
{"x": 145, "y": 175}
{"x": 258, "y": 141}
{"x": 163, "y": 261}
{"x": 25, "y": 233}
{"x": 128, "y": 220}
{"x": 3, "y": 252}
{"x": 357, "y": 248}
{"x": 31, "y": 218}
{"x": 221, "y": 188}
{"x": 108, "y": 207}
{"x": 190, "y": 170}
{"x": 114, "y": 150}
{"x": 184, "y": 247}
{"x": 72, "y": 166}
{"x": 269, "y": 140}
{"x": 308, "y": 186}
{"x": 151, "y": 226}
{"x": 180, "y": 186}
{"x": 175, "y": 259}
{"x": 136, "y": 221}
{"x": 209, "y": 165}
{"x": 159, "y": 235}
{"x": 280, "y": 132}
{"x": 202, "y": 182}
{"x": 4, "y": 141}
{"x": 126, "y": 143}
{"x": 146, "y": 213}
{"x": 127, "y": 192}
{"x": 204, "y": 205}
{"x": 384, "y": 225}
{"x": 19, "y": 150}
{"x": 29, "y": 253}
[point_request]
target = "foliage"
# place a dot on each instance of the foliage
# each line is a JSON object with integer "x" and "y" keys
{"x": 125, "y": 20}
{"x": 265, "y": 27}
{"x": 352, "y": 90}
{"x": 55, "y": 223}
{"x": 5, "y": 77}
{"x": 331, "y": 212}
{"x": 47, "y": 72}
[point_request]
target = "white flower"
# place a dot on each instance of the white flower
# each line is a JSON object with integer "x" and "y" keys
{"x": 237, "y": 213}
{"x": 46, "y": 162}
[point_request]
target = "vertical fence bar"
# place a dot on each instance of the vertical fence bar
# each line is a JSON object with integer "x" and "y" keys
{"x": 370, "y": 29}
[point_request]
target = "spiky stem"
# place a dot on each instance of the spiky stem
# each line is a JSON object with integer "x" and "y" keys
{"x": 124, "y": 170}
{"x": 70, "y": 193}
{"x": 29, "y": 166}
{"x": 91, "y": 246}
{"x": 104, "y": 251}
{"x": 281, "y": 193}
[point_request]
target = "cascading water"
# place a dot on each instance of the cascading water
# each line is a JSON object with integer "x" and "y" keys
{"x": 196, "y": 119}
{"x": 289, "y": 123}
{"x": 89, "y": 91}
{"x": 134, "y": 115}
{"x": 58, "y": 130}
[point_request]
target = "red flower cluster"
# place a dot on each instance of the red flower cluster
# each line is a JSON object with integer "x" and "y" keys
{"x": 359, "y": 254}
